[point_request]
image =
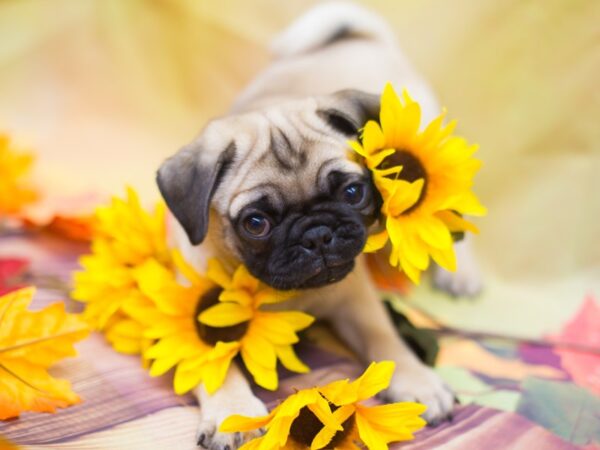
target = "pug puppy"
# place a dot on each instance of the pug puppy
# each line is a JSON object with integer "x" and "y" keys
{"x": 271, "y": 185}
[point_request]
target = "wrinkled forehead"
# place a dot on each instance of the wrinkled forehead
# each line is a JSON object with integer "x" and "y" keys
{"x": 285, "y": 155}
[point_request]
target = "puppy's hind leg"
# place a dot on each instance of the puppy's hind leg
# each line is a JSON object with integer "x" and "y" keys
{"x": 467, "y": 280}
{"x": 234, "y": 397}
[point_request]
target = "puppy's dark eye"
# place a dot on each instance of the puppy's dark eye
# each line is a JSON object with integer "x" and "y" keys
{"x": 354, "y": 193}
{"x": 256, "y": 225}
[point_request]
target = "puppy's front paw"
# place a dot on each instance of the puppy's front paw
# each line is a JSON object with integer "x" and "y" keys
{"x": 213, "y": 413}
{"x": 423, "y": 385}
{"x": 466, "y": 281}
{"x": 208, "y": 437}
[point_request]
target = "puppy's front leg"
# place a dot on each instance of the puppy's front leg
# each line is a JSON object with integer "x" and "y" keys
{"x": 234, "y": 397}
{"x": 361, "y": 320}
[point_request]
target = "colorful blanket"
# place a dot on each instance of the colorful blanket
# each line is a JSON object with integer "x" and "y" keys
{"x": 517, "y": 394}
{"x": 105, "y": 90}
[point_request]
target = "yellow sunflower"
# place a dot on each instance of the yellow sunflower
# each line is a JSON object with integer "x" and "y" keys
{"x": 125, "y": 237}
{"x": 200, "y": 327}
{"x": 126, "y": 335}
{"x": 14, "y": 166}
{"x": 425, "y": 179}
{"x": 301, "y": 420}
{"x": 333, "y": 416}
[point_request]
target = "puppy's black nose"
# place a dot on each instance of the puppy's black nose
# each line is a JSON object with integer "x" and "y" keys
{"x": 317, "y": 237}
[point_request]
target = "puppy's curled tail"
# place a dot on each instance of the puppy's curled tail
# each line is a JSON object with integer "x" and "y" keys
{"x": 328, "y": 22}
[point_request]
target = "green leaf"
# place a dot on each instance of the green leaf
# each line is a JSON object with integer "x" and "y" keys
{"x": 566, "y": 409}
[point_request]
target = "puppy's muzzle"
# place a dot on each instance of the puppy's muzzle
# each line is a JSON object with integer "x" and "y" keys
{"x": 311, "y": 247}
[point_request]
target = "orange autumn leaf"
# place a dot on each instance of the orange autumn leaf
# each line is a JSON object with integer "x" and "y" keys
{"x": 15, "y": 165}
{"x": 31, "y": 342}
{"x": 386, "y": 277}
{"x": 75, "y": 228}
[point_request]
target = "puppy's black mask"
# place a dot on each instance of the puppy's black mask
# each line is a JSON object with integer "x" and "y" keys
{"x": 308, "y": 245}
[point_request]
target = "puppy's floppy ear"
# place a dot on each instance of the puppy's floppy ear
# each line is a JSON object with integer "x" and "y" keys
{"x": 188, "y": 181}
{"x": 348, "y": 110}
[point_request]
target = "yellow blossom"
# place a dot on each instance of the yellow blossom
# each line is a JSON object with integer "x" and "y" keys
{"x": 425, "y": 179}
{"x": 200, "y": 327}
{"x": 342, "y": 420}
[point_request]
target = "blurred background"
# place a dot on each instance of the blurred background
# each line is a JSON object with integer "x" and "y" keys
{"x": 104, "y": 90}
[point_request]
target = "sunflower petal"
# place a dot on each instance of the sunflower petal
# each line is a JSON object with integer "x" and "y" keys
{"x": 404, "y": 195}
{"x": 186, "y": 269}
{"x": 391, "y": 423}
{"x": 258, "y": 348}
{"x": 290, "y": 360}
{"x": 376, "y": 242}
{"x": 469, "y": 204}
{"x": 372, "y": 137}
{"x": 390, "y": 115}
{"x": 238, "y": 423}
{"x": 186, "y": 380}
{"x": 393, "y": 415}
{"x": 455, "y": 223}
{"x": 163, "y": 365}
{"x": 368, "y": 435}
{"x": 340, "y": 392}
{"x": 253, "y": 444}
{"x": 375, "y": 379}
{"x": 376, "y": 159}
{"x": 321, "y": 409}
{"x": 358, "y": 148}
{"x": 298, "y": 320}
{"x": 217, "y": 273}
{"x": 268, "y": 295}
{"x": 410, "y": 246}
{"x": 263, "y": 376}
{"x": 225, "y": 315}
{"x": 215, "y": 369}
{"x": 445, "y": 258}
{"x": 242, "y": 279}
{"x": 327, "y": 433}
{"x": 239, "y": 296}
{"x": 434, "y": 232}
{"x": 410, "y": 271}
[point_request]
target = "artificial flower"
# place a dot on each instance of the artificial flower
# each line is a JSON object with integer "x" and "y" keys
{"x": 301, "y": 420}
{"x": 125, "y": 237}
{"x": 425, "y": 179}
{"x": 31, "y": 342}
{"x": 15, "y": 192}
{"x": 200, "y": 327}
{"x": 126, "y": 335}
{"x": 304, "y": 420}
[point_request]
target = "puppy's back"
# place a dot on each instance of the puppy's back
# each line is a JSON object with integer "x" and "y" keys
{"x": 331, "y": 47}
{"x": 327, "y": 23}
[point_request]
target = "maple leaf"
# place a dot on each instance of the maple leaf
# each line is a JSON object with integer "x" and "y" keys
{"x": 30, "y": 342}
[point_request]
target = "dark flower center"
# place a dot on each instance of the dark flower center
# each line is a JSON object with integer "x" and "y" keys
{"x": 412, "y": 170}
{"x": 306, "y": 426}
{"x": 212, "y": 335}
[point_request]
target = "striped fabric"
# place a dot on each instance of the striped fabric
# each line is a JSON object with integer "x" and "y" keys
{"x": 124, "y": 408}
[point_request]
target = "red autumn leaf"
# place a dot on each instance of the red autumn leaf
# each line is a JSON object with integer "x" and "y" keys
{"x": 583, "y": 330}
{"x": 10, "y": 271}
